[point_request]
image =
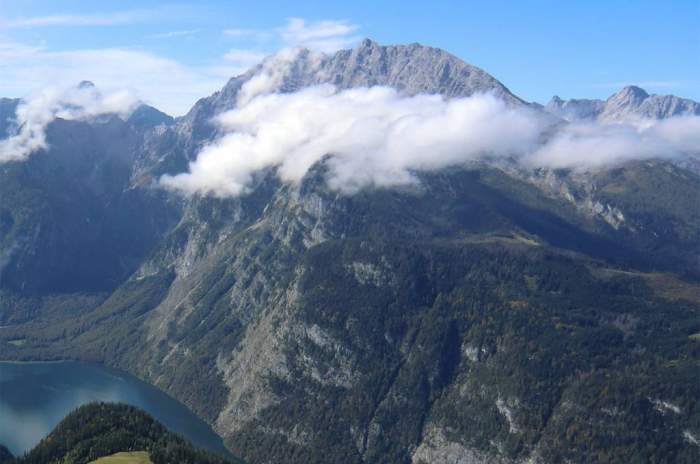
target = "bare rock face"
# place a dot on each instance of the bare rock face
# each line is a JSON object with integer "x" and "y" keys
{"x": 575, "y": 109}
{"x": 412, "y": 69}
{"x": 630, "y": 103}
{"x": 435, "y": 448}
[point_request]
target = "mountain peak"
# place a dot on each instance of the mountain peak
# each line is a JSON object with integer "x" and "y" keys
{"x": 410, "y": 69}
{"x": 630, "y": 94}
{"x": 86, "y": 85}
{"x": 367, "y": 43}
{"x": 630, "y": 103}
{"x": 556, "y": 99}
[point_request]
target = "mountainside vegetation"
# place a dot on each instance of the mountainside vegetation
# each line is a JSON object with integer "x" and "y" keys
{"x": 97, "y": 430}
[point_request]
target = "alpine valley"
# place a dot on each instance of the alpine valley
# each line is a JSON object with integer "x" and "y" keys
{"x": 489, "y": 312}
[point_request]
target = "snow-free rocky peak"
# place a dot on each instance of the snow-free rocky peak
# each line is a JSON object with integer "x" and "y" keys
{"x": 630, "y": 103}
{"x": 412, "y": 69}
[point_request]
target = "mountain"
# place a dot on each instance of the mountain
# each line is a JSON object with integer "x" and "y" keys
{"x": 5, "y": 454}
{"x": 575, "y": 109}
{"x": 487, "y": 314}
{"x": 412, "y": 69}
{"x": 62, "y": 235}
{"x": 7, "y": 113}
{"x": 146, "y": 117}
{"x": 628, "y": 104}
{"x": 99, "y": 429}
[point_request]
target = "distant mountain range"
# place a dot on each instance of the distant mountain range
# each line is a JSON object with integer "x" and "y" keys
{"x": 629, "y": 103}
{"x": 491, "y": 313}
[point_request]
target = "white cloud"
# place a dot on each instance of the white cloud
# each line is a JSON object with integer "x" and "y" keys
{"x": 34, "y": 115}
{"x": 272, "y": 73}
{"x": 102, "y": 19}
{"x": 586, "y": 145}
{"x": 255, "y": 34}
{"x": 325, "y": 36}
{"x": 682, "y": 133}
{"x": 163, "y": 82}
{"x": 175, "y": 34}
{"x": 14, "y": 51}
{"x": 375, "y": 136}
{"x": 244, "y": 56}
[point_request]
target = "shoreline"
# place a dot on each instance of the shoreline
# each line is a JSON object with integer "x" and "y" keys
{"x": 208, "y": 439}
{"x": 2, "y": 361}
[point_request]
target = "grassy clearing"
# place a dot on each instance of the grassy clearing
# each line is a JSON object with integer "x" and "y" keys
{"x": 135, "y": 457}
{"x": 665, "y": 285}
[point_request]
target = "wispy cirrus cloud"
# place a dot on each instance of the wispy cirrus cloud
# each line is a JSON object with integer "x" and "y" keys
{"x": 244, "y": 56}
{"x": 325, "y": 36}
{"x": 328, "y": 35}
{"x": 97, "y": 19}
{"x": 175, "y": 34}
{"x": 256, "y": 34}
{"x": 15, "y": 50}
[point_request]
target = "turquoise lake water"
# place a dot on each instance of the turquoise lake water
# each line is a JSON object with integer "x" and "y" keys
{"x": 34, "y": 397}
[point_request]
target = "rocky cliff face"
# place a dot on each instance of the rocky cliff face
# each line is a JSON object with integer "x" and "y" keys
{"x": 486, "y": 314}
{"x": 630, "y": 103}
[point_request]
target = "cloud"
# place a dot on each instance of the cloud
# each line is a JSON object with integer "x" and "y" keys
{"x": 256, "y": 34}
{"x": 237, "y": 61}
{"x": 590, "y": 145}
{"x": 325, "y": 36}
{"x": 34, "y": 115}
{"x": 174, "y": 34}
{"x": 13, "y": 51}
{"x": 244, "y": 56}
{"x": 103, "y": 19}
{"x": 273, "y": 71}
{"x": 375, "y": 137}
{"x": 163, "y": 82}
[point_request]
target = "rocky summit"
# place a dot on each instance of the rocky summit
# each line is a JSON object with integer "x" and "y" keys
{"x": 487, "y": 313}
{"x": 629, "y": 103}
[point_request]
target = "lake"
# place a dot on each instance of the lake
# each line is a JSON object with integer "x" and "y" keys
{"x": 34, "y": 397}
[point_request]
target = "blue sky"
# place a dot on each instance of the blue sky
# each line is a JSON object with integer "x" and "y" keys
{"x": 172, "y": 53}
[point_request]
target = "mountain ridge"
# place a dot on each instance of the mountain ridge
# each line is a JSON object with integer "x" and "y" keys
{"x": 629, "y": 103}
